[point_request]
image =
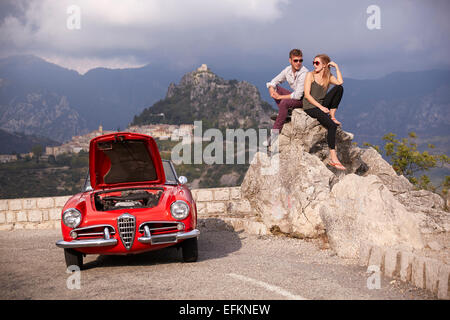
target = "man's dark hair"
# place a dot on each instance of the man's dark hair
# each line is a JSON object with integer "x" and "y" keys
{"x": 295, "y": 53}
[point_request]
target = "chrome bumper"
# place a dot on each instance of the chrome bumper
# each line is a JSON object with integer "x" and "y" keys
{"x": 147, "y": 239}
{"x": 86, "y": 243}
{"x": 167, "y": 238}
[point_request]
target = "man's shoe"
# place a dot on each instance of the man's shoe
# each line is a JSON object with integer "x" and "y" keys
{"x": 274, "y": 117}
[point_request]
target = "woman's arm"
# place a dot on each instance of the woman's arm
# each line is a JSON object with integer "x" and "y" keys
{"x": 333, "y": 79}
{"x": 308, "y": 81}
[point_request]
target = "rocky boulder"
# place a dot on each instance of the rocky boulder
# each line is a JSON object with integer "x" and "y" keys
{"x": 363, "y": 209}
{"x": 294, "y": 192}
{"x": 286, "y": 190}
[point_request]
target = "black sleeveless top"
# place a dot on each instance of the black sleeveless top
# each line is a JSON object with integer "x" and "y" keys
{"x": 318, "y": 92}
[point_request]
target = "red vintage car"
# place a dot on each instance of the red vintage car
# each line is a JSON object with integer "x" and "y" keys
{"x": 132, "y": 202}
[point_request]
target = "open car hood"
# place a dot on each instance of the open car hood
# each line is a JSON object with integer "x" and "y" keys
{"x": 124, "y": 159}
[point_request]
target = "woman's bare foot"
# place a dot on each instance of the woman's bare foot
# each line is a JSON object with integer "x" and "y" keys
{"x": 336, "y": 121}
{"x": 337, "y": 165}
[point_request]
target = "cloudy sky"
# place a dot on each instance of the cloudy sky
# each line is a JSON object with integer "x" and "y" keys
{"x": 246, "y": 35}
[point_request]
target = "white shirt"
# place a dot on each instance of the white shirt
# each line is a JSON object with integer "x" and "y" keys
{"x": 296, "y": 81}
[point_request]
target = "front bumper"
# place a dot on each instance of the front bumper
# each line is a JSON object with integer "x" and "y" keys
{"x": 86, "y": 243}
{"x": 167, "y": 238}
{"x": 146, "y": 239}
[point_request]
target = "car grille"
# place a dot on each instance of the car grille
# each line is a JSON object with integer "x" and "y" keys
{"x": 161, "y": 227}
{"x": 126, "y": 224}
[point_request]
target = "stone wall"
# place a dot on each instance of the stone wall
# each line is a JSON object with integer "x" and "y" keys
{"x": 216, "y": 205}
{"x": 408, "y": 266}
{"x": 31, "y": 213}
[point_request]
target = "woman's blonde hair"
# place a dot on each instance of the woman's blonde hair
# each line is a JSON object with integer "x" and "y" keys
{"x": 326, "y": 72}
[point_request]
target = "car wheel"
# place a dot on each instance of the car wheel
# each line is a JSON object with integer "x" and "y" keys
{"x": 73, "y": 258}
{"x": 190, "y": 250}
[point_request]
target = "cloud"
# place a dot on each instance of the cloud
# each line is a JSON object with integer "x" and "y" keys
{"x": 241, "y": 33}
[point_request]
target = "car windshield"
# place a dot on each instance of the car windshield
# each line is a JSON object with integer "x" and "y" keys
{"x": 169, "y": 170}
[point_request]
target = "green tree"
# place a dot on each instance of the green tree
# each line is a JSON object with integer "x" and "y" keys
{"x": 407, "y": 160}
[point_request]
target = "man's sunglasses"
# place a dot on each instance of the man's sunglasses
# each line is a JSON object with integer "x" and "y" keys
{"x": 297, "y": 60}
{"x": 316, "y": 63}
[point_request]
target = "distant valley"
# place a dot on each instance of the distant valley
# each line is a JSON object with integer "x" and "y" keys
{"x": 42, "y": 103}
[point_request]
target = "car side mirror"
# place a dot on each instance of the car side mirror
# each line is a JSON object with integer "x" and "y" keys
{"x": 182, "y": 180}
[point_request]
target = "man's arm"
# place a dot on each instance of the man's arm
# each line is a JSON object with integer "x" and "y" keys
{"x": 280, "y": 78}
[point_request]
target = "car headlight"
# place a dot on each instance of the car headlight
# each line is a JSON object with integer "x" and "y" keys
{"x": 72, "y": 218}
{"x": 179, "y": 210}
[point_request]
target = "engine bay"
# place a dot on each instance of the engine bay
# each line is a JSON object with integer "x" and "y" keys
{"x": 127, "y": 199}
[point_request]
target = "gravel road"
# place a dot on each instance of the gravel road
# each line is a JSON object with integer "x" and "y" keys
{"x": 231, "y": 266}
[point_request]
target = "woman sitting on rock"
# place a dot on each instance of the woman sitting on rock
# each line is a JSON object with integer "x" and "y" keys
{"x": 319, "y": 104}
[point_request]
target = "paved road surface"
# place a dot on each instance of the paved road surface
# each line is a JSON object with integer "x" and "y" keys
{"x": 231, "y": 266}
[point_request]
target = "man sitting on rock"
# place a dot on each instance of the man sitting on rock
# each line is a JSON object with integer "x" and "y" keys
{"x": 295, "y": 76}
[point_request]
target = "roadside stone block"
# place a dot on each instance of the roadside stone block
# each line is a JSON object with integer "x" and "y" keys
{"x": 444, "y": 271}
{"x": 54, "y": 214}
{"x": 60, "y": 201}
{"x": 6, "y": 227}
{"x": 364, "y": 253}
{"x": 194, "y": 194}
{"x": 35, "y": 216}
{"x": 244, "y": 206}
{"x": 21, "y": 216}
{"x": 418, "y": 272}
{"x": 45, "y": 215}
{"x": 45, "y": 225}
{"x": 201, "y": 208}
{"x": 204, "y": 195}
{"x": 2, "y": 217}
{"x": 10, "y": 217}
{"x": 235, "y": 193}
{"x": 45, "y": 203}
{"x": 222, "y": 194}
{"x": 215, "y": 207}
{"x": 392, "y": 263}
{"x": 432, "y": 274}
{"x": 377, "y": 257}
{"x": 29, "y": 203}
{"x": 238, "y": 207}
{"x": 4, "y": 205}
{"x": 15, "y": 204}
{"x": 257, "y": 228}
{"x": 19, "y": 226}
{"x": 405, "y": 265}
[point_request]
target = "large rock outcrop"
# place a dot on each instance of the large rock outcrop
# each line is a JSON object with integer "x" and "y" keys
{"x": 294, "y": 192}
{"x": 363, "y": 209}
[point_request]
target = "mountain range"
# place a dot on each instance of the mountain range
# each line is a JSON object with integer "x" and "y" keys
{"x": 41, "y": 98}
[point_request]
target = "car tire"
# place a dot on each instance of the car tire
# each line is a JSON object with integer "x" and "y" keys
{"x": 189, "y": 249}
{"x": 73, "y": 258}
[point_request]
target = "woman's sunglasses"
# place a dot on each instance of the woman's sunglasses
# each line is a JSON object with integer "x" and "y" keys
{"x": 316, "y": 63}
